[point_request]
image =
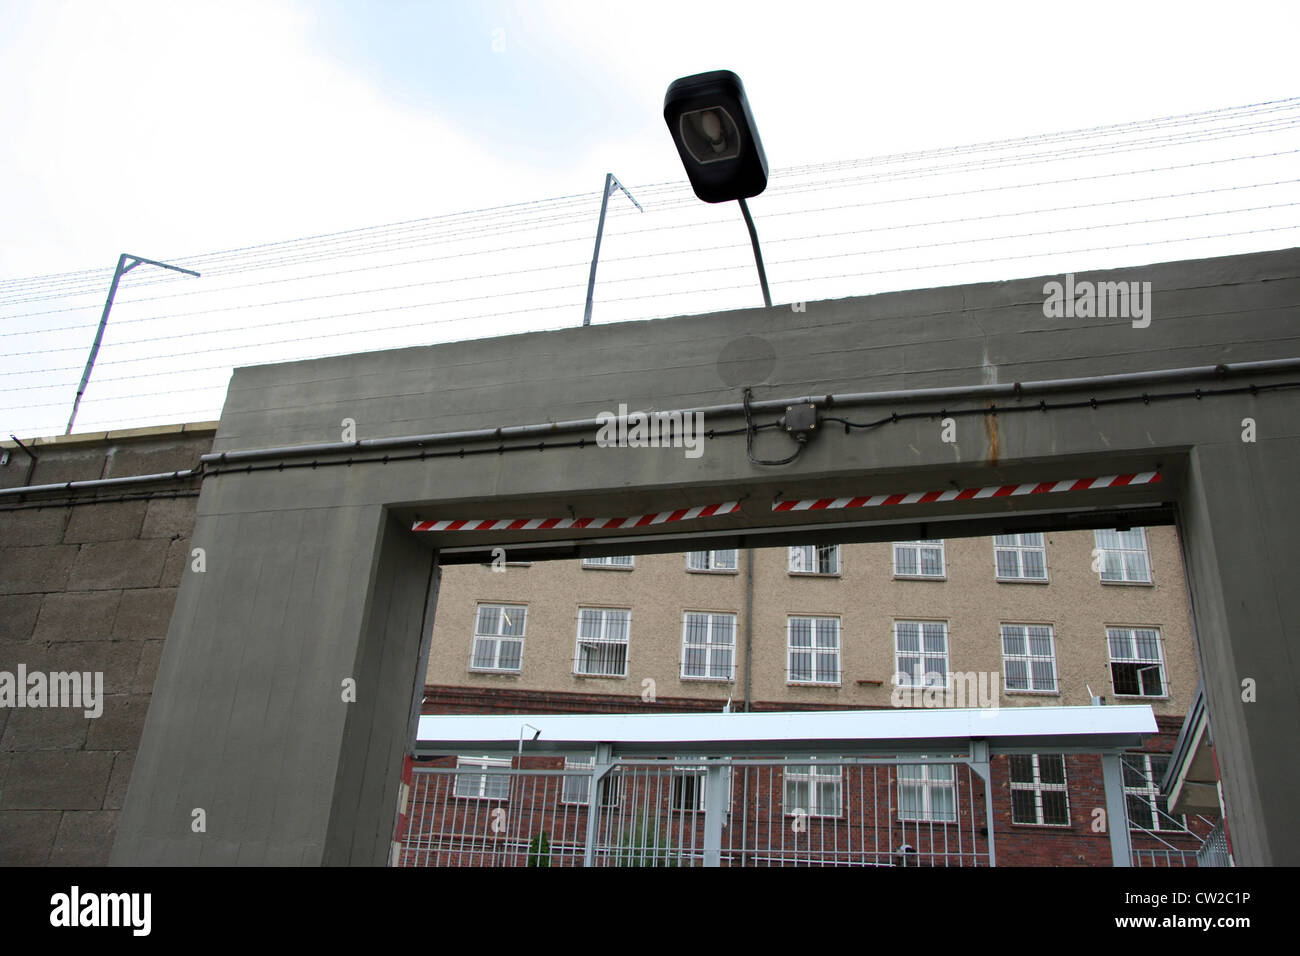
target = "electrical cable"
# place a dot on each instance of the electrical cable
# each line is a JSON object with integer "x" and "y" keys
{"x": 750, "y": 429}
{"x": 208, "y": 470}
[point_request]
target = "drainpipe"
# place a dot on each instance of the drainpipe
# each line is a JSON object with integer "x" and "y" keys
{"x": 749, "y": 618}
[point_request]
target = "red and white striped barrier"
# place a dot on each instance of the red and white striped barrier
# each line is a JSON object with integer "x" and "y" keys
{"x": 547, "y": 524}
{"x": 969, "y": 494}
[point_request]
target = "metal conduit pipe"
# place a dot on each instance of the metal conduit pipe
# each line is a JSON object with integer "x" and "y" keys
{"x": 101, "y": 483}
{"x": 1014, "y": 390}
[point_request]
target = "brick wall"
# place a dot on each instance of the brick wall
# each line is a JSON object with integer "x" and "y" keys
{"x": 87, "y": 583}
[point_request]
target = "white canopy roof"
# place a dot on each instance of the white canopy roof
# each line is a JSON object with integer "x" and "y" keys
{"x": 892, "y": 731}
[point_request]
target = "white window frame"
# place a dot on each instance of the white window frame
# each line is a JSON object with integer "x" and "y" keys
{"x": 923, "y": 654}
{"x": 1119, "y": 569}
{"x": 1029, "y": 659}
{"x": 709, "y": 646}
{"x": 814, "y": 559}
{"x": 611, "y": 782}
{"x": 814, "y": 650}
{"x": 813, "y": 777}
{"x": 1148, "y": 793}
{"x": 1037, "y": 786}
{"x": 713, "y": 561}
{"x": 603, "y": 640}
{"x": 916, "y": 547}
{"x": 619, "y": 562}
{"x": 1144, "y": 664}
{"x": 498, "y": 639}
{"x": 1018, "y": 548}
{"x": 928, "y": 784}
{"x": 480, "y": 780}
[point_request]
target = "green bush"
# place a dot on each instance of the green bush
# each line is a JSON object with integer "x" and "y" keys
{"x": 539, "y": 850}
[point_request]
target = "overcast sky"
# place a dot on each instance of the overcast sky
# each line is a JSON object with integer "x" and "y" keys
{"x": 175, "y": 130}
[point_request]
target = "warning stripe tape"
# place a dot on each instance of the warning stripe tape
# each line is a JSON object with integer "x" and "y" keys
{"x": 547, "y": 524}
{"x": 969, "y": 494}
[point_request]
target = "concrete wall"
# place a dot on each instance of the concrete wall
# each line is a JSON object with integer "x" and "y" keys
{"x": 85, "y": 587}
{"x": 297, "y": 555}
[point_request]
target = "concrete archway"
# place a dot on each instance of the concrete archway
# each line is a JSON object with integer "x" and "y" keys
{"x": 313, "y": 577}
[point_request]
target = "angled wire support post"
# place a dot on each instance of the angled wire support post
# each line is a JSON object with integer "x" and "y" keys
{"x": 611, "y": 184}
{"x": 125, "y": 263}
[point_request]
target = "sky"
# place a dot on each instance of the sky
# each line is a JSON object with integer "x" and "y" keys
{"x": 448, "y": 158}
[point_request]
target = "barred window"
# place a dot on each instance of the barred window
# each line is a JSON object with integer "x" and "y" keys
{"x": 817, "y": 790}
{"x": 482, "y": 786}
{"x": 815, "y": 559}
{"x": 1136, "y": 662}
{"x": 602, "y": 642}
{"x": 711, "y": 560}
{"x": 813, "y": 646}
{"x": 1142, "y": 776}
{"x": 690, "y": 788}
{"x": 921, "y": 653}
{"x": 609, "y": 561}
{"x": 1038, "y": 790}
{"x": 708, "y": 646}
{"x": 1123, "y": 555}
{"x": 919, "y": 559}
{"x": 927, "y": 792}
{"x": 1020, "y": 557}
{"x": 1028, "y": 657}
{"x": 577, "y": 787}
{"x": 498, "y": 637}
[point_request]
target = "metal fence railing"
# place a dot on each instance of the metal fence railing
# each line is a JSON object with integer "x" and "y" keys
{"x": 678, "y": 811}
{"x": 1215, "y": 852}
{"x": 1159, "y": 839}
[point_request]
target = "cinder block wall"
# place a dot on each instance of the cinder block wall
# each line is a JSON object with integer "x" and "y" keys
{"x": 87, "y": 583}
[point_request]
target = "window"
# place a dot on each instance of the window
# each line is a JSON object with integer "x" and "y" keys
{"x": 577, "y": 787}
{"x": 1038, "y": 793}
{"x": 482, "y": 786}
{"x": 1028, "y": 657}
{"x": 1122, "y": 556}
{"x": 609, "y": 561}
{"x": 918, "y": 559}
{"x": 813, "y": 644}
{"x": 921, "y": 651}
{"x": 708, "y": 646}
{"x": 498, "y": 638}
{"x": 1136, "y": 663}
{"x": 1020, "y": 557}
{"x": 602, "y": 642}
{"x": 815, "y": 559}
{"x": 690, "y": 786}
{"x": 927, "y": 793}
{"x": 1142, "y": 776}
{"x": 816, "y": 790}
{"x": 711, "y": 560}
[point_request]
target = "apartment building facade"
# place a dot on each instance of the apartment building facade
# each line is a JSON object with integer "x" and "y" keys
{"x": 1053, "y": 619}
